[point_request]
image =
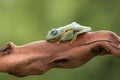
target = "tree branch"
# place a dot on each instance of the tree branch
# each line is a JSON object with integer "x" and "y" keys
{"x": 38, "y": 57}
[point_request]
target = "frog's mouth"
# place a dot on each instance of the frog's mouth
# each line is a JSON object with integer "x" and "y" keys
{"x": 52, "y": 40}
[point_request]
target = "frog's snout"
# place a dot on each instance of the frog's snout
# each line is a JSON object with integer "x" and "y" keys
{"x": 46, "y": 38}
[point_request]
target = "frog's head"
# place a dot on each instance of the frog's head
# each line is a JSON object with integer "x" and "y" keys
{"x": 53, "y": 34}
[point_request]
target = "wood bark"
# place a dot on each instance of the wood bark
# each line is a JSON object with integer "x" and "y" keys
{"x": 40, "y": 56}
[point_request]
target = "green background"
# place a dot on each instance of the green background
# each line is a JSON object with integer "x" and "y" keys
{"x": 24, "y": 21}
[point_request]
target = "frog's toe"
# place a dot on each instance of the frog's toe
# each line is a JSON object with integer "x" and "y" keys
{"x": 58, "y": 42}
{"x": 72, "y": 42}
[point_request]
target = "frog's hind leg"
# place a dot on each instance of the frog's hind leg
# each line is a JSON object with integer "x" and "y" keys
{"x": 75, "y": 36}
{"x": 76, "y": 33}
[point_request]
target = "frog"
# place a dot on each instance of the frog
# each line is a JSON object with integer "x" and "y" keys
{"x": 67, "y": 33}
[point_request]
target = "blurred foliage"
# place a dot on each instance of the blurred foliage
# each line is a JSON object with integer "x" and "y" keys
{"x": 24, "y": 21}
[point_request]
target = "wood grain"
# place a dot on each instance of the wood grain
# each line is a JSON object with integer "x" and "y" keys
{"x": 40, "y": 56}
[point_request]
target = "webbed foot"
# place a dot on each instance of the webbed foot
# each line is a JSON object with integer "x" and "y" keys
{"x": 58, "y": 42}
{"x": 72, "y": 42}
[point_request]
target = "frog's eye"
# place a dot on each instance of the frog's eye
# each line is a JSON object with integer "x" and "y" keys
{"x": 54, "y": 32}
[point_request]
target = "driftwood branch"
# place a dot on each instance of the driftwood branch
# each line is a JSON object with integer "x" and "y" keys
{"x": 38, "y": 57}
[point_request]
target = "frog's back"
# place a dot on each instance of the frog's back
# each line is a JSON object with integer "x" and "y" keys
{"x": 73, "y": 26}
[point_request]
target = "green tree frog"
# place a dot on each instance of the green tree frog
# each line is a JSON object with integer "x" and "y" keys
{"x": 68, "y": 32}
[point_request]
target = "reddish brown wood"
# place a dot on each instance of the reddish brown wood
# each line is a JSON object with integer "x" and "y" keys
{"x": 40, "y": 56}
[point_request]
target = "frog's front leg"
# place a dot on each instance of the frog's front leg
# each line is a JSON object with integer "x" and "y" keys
{"x": 67, "y": 36}
{"x": 57, "y": 41}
